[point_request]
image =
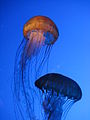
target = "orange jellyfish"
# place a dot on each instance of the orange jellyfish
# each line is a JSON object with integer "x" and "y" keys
{"x": 40, "y": 33}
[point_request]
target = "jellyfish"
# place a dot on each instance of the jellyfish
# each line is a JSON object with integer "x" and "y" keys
{"x": 59, "y": 93}
{"x": 40, "y": 33}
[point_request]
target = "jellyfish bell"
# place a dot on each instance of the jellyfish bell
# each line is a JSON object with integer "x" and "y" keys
{"x": 39, "y": 30}
{"x": 42, "y": 24}
{"x": 60, "y": 93}
{"x": 59, "y": 83}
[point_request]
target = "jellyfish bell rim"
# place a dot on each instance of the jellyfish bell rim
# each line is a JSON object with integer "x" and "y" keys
{"x": 43, "y": 23}
{"x": 43, "y": 81}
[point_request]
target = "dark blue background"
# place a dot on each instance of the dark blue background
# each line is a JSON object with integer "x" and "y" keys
{"x": 70, "y": 55}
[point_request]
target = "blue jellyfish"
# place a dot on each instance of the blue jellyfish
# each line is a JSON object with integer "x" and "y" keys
{"x": 58, "y": 94}
{"x": 40, "y": 33}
